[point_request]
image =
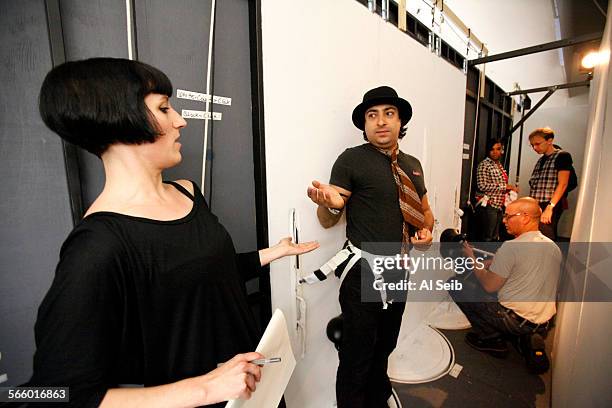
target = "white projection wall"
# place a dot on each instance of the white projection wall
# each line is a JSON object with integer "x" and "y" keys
{"x": 582, "y": 362}
{"x": 319, "y": 57}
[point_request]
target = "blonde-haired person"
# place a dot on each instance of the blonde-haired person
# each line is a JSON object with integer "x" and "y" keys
{"x": 550, "y": 179}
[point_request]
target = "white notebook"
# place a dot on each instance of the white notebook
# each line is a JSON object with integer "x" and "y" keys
{"x": 275, "y": 376}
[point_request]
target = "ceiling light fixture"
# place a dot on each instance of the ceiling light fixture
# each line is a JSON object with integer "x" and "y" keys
{"x": 594, "y": 58}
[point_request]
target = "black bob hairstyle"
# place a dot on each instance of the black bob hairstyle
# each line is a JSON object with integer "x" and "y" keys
{"x": 97, "y": 102}
{"x": 493, "y": 142}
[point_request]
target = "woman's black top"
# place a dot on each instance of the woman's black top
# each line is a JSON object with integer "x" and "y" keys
{"x": 141, "y": 301}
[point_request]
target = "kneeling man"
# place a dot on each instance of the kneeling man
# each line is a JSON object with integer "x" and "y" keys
{"x": 524, "y": 275}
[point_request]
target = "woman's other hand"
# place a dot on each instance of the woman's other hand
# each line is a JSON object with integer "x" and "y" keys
{"x": 234, "y": 379}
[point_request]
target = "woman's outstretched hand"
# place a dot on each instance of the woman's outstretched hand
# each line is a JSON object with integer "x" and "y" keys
{"x": 285, "y": 247}
{"x": 291, "y": 248}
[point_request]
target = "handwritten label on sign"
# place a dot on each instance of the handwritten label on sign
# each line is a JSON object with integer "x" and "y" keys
{"x": 203, "y": 115}
{"x": 202, "y": 97}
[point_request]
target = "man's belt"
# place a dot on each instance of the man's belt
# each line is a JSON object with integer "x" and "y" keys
{"x": 525, "y": 322}
{"x": 340, "y": 264}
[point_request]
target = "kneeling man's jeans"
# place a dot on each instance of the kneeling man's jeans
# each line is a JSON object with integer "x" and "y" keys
{"x": 489, "y": 319}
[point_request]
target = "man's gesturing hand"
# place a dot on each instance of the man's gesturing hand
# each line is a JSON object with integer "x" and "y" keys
{"x": 325, "y": 195}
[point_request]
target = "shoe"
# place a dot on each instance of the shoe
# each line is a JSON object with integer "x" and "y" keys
{"x": 394, "y": 401}
{"x": 496, "y": 346}
{"x": 534, "y": 352}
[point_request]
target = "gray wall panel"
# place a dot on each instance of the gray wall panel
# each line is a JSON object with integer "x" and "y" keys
{"x": 173, "y": 36}
{"x": 233, "y": 181}
{"x": 34, "y": 210}
{"x": 93, "y": 29}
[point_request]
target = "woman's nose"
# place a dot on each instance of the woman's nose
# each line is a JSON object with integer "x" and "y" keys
{"x": 179, "y": 122}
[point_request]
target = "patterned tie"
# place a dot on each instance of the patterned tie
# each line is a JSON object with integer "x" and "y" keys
{"x": 409, "y": 201}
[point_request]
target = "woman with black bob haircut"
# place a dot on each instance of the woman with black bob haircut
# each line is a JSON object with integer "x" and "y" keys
{"x": 100, "y": 101}
{"x": 148, "y": 289}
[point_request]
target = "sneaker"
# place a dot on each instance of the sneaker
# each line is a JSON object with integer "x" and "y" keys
{"x": 534, "y": 352}
{"x": 394, "y": 401}
{"x": 496, "y": 346}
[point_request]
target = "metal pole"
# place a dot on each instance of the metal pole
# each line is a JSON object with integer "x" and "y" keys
{"x": 547, "y": 88}
{"x": 538, "y": 48}
{"x": 505, "y": 137}
{"x": 385, "y": 10}
{"x": 131, "y": 30}
{"x": 518, "y": 159}
{"x": 476, "y": 126}
{"x": 532, "y": 110}
{"x": 211, "y": 40}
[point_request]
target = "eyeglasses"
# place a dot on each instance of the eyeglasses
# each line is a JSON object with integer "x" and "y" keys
{"x": 508, "y": 216}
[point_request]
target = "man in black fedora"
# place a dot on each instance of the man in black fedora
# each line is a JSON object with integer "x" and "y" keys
{"x": 383, "y": 191}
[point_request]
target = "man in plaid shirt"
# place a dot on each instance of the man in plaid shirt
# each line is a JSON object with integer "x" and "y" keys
{"x": 492, "y": 181}
{"x": 549, "y": 179}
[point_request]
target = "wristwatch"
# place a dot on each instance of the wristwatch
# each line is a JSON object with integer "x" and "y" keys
{"x": 551, "y": 204}
{"x": 334, "y": 211}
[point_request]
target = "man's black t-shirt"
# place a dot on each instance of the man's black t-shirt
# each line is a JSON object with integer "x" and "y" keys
{"x": 373, "y": 213}
{"x": 563, "y": 161}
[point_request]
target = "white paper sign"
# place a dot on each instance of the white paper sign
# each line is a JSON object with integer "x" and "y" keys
{"x": 202, "y": 97}
{"x": 466, "y": 156}
{"x": 196, "y": 114}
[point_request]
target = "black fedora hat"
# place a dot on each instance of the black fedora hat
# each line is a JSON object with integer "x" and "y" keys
{"x": 379, "y": 96}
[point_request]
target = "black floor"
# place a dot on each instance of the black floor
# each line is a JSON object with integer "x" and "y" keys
{"x": 484, "y": 381}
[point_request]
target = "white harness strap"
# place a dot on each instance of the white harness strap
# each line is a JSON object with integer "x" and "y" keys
{"x": 352, "y": 261}
{"x": 345, "y": 259}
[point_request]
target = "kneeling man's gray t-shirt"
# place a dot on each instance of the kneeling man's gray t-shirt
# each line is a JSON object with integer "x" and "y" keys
{"x": 531, "y": 263}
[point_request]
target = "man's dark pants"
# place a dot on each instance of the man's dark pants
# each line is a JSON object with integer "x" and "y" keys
{"x": 489, "y": 219}
{"x": 368, "y": 338}
{"x": 550, "y": 230}
{"x": 489, "y": 319}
